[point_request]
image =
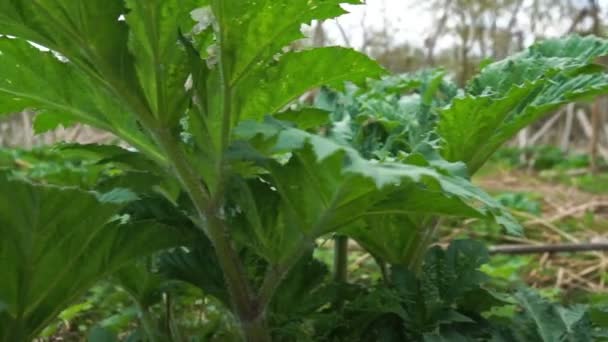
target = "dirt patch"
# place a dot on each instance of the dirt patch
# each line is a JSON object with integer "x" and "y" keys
{"x": 568, "y": 215}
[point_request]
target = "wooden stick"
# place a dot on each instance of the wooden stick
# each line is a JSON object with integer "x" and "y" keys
{"x": 545, "y": 128}
{"x": 565, "y": 140}
{"x": 595, "y": 136}
{"x": 549, "y": 248}
{"x": 588, "y": 130}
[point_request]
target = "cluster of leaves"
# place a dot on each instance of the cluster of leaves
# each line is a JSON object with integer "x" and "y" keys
{"x": 450, "y": 299}
{"x": 424, "y": 116}
{"x": 229, "y": 183}
{"x": 404, "y": 113}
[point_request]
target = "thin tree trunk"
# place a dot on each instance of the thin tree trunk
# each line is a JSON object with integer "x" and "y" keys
{"x": 431, "y": 42}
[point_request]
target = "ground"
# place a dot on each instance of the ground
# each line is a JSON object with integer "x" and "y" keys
{"x": 568, "y": 206}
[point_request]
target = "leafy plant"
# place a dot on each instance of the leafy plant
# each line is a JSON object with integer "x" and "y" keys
{"x": 423, "y": 115}
{"x": 449, "y": 299}
{"x": 202, "y": 90}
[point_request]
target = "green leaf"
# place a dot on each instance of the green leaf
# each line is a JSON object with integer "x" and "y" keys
{"x": 306, "y": 118}
{"x": 57, "y": 243}
{"x": 252, "y": 32}
{"x": 428, "y": 304}
{"x": 241, "y": 68}
{"x": 319, "y": 184}
{"x": 263, "y": 222}
{"x": 74, "y": 310}
{"x": 160, "y": 62}
{"x": 455, "y": 271}
{"x": 552, "y": 322}
{"x": 78, "y": 99}
{"x": 486, "y": 112}
{"x": 196, "y": 264}
{"x": 437, "y": 293}
{"x": 599, "y": 316}
{"x": 372, "y": 234}
{"x": 293, "y": 296}
{"x": 21, "y": 86}
{"x": 271, "y": 89}
{"x": 87, "y": 33}
{"x": 391, "y": 117}
{"x": 100, "y": 334}
{"x": 143, "y": 285}
{"x": 102, "y": 168}
{"x": 584, "y": 49}
{"x": 48, "y": 121}
{"x": 511, "y": 94}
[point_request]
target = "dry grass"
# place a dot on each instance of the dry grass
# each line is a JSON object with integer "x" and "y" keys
{"x": 568, "y": 215}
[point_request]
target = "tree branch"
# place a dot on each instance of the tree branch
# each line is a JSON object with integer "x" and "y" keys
{"x": 549, "y": 248}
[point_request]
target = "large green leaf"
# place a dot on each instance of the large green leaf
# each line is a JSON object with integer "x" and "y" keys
{"x": 197, "y": 265}
{"x": 90, "y": 167}
{"x": 78, "y": 98}
{"x": 160, "y": 61}
{"x": 541, "y": 320}
{"x": 511, "y": 94}
{"x": 89, "y": 33}
{"x": 372, "y": 234}
{"x": 56, "y": 243}
{"x": 22, "y": 64}
{"x": 252, "y": 32}
{"x": 99, "y": 76}
{"x": 461, "y": 141}
{"x": 321, "y": 186}
{"x": 269, "y": 90}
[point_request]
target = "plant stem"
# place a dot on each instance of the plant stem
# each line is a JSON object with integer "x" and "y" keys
{"x": 340, "y": 265}
{"x": 425, "y": 239}
{"x": 386, "y": 278}
{"x": 244, "y": 303}
{"x": 341, "y": 259}
{"x": 147, "y": 323}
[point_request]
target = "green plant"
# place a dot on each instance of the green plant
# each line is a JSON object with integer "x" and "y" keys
{"x": 451, "y": 300}
{"x": 202, "y": 90}
{"x": 408, "y": 118}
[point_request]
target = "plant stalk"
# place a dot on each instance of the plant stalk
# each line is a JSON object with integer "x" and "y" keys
{"x": 425, "y": 239}
{"x": 340, "y": 265}
{"x": 148, "y": 325}
{"x": 244, "y": 303}
{"x": 341, "y": 259}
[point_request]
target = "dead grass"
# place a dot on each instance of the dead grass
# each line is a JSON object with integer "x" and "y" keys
{"x": 569, "y": 215}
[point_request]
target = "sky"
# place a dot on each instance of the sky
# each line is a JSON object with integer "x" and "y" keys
{"x": 410, "y": 21}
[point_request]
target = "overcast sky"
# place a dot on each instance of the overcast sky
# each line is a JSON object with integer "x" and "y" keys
{"x": 410, "y": 20}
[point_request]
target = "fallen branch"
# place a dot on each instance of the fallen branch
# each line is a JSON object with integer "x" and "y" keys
{"x": 549, "y": 248}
